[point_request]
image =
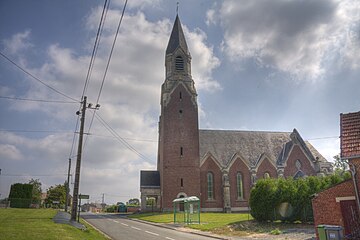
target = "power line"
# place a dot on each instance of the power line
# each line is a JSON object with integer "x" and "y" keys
{"x": 36, "y": 100}
{"x": 107, "y": 67}
{"x": 37, "y": 79}
{"x": 321, "y": 138}
{"x": 96, "y": 46}
{"x": 119, "y": 138}
{"x": 34, "y": 131}
{"x": 32, "y": 175}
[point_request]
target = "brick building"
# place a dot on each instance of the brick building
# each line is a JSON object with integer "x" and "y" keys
{"x": 218, "y": 166}
{"x": 339, "y": 205}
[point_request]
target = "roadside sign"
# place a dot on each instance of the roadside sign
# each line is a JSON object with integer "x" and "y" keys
{"x": 82, "y": 196}
{"x": 56, "y": 202}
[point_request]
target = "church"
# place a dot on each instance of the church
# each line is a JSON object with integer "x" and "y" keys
{"x": 217, "y": 166}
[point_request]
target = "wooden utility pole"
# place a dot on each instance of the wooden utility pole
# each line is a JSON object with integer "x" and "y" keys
{"x": 78, "y": 162}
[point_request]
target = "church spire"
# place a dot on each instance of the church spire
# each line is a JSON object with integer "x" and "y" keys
{"x": 177, "y": 38}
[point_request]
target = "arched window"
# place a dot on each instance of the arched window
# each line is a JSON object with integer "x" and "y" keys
{"x": 239, "y": 186}
{"x": 210, "y": 185}
{"x": 179, "y": 63}
{"x": 266, "y": 175}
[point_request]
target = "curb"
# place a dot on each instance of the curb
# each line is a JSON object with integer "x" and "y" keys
{"x": 200, "y": 233}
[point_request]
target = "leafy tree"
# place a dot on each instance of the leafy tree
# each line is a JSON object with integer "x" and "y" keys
{"x": 56, "y": 193}
{"x": 134, "y": 202}
{"x": 36, "y": 191}
{"x": 341, "y": 165}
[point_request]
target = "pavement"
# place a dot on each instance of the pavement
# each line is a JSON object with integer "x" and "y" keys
{"x": 64, "y": 218}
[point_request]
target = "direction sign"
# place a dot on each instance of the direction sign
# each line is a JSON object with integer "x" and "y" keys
{"x": 82, "y": 196}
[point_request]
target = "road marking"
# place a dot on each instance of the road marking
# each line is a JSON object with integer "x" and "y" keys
{"x": 136, "y": 228}
{"x": 152, "y": 233}
{"x": 124, "y": 224}
{"x": 169, "y": 238}
{"x": 115, "y": 221}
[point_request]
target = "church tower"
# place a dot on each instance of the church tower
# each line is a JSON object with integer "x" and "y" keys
{"x": 178, "y": 153}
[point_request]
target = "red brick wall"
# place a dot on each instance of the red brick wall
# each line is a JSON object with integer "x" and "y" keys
{"x": 266, "y": 166}
{"x": 306, "y": 166}
{"x": 326, "y": 209}
{"x": 179, "y": 129}
{"x": 210, "y": 166}
{"x": 239, "y": 166}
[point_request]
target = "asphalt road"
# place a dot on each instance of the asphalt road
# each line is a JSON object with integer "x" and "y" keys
{"x": 120, "y": 228}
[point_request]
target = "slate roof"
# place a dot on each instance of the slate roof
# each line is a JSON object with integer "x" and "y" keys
{"x": 149, "y": 178}
{"x": 251, "y": 145}
{"x": 177, "y": 38}
{"x": 224, "y": 144}
{"x": 350, "y": 135}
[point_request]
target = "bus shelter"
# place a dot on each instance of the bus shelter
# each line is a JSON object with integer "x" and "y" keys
{"x": 187, "y": 210}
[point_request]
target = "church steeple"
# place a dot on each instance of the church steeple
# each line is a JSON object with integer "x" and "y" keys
{"x": 177, "y": 38}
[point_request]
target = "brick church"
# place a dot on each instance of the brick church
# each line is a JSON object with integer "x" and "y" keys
{"x": 217, "y": 166}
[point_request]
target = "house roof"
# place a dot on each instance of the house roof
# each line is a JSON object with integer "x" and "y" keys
{"x": 149, "y": 178}
{"x": 350, "y": 135}
{"x": 177, "y": 38}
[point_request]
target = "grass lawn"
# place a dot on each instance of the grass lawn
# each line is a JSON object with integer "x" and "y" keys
{"x": 233, "y": 224}
{"x": 208, "y": 221}
{"x": 37, "y": 224}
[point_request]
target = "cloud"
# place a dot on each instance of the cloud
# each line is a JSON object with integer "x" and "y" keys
{"x": 129, "y": 102}
{"x": 295, "y": 37}
{"x": 9, "y": 152}
{"x": 18, "y": 42}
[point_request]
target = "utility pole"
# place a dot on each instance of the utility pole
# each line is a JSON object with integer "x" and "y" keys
{"x": 68, "y": 187}
{"x": 78, "y": 162}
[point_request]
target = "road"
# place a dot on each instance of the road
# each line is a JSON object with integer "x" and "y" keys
{"x": 118, "y": 227}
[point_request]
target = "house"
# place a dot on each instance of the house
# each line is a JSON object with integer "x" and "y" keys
{"x": 217, "y": 166}
{"x": 340, "y": 204}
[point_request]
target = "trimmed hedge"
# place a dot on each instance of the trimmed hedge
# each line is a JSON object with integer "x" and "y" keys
{"x": 268, "y": 195}
{"x": 20, "y": 195}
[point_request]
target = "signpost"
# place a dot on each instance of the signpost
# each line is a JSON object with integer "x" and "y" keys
{"x": 81, "y": 196}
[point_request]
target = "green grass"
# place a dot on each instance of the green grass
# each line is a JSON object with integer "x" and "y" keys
{"x": 208, "y": 221}
{"x": 37, "y": 224}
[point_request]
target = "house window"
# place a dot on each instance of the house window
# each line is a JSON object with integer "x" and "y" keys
{"x": 180, "y": 96}
{"x": 182, "y": 182}
{"x": 181, "y": 151}
{"x": 179, "y": 63}
{"x": 266, "y": 175}
{"x": 210, "y": 185}
{"x": 239, "y": 186}
{"x": 298, "y": 164}
{"x": 180, "y": 111}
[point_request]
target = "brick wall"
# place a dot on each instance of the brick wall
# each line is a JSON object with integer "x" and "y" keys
{"x": 266, "y": 166}
{"x": 239, "y": 166}
{"x": 210, "y": 166}
{"x": 326, "y": 209}
{"x": 306, "y": 165}
{"x": 179, "y": 150}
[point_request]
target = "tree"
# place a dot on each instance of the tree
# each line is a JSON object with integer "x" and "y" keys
{"x": 36, "y": 190}
{"x": 56, "y": 193}
{"x": 134, "y": 202}
{"x": 341, "y": 165}
{"x": 20, "y": 195}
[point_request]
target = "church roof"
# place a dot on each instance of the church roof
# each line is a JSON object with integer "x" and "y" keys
{"x": 251, "y": 145}
{"x": 350, "y": 135}
{"x": 177, "y": 38}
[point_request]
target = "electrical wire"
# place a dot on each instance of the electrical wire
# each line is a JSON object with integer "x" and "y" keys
{"x": 37, "y": 79}
{"x": 107, "y": 67}
{"x": 119, "y": 138}
{"x": 33, "y": 131}
{"x": 36, "y": 100}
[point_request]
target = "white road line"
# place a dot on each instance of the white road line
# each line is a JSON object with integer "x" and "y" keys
{"x": 152, "y": 233}
{"x": 169, "y": 238}
{"x": 136, "y": 228}
{"x": 115, "y": 221}
{"x": 124, "y": 224}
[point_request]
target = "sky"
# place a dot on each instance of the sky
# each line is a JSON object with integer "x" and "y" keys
{"x": 271, "y": 65}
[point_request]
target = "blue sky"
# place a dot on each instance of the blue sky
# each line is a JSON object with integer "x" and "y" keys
{"x": 258, "y": 65}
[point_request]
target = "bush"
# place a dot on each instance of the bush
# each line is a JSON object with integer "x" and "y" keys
{"x": 268, "y": 194}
